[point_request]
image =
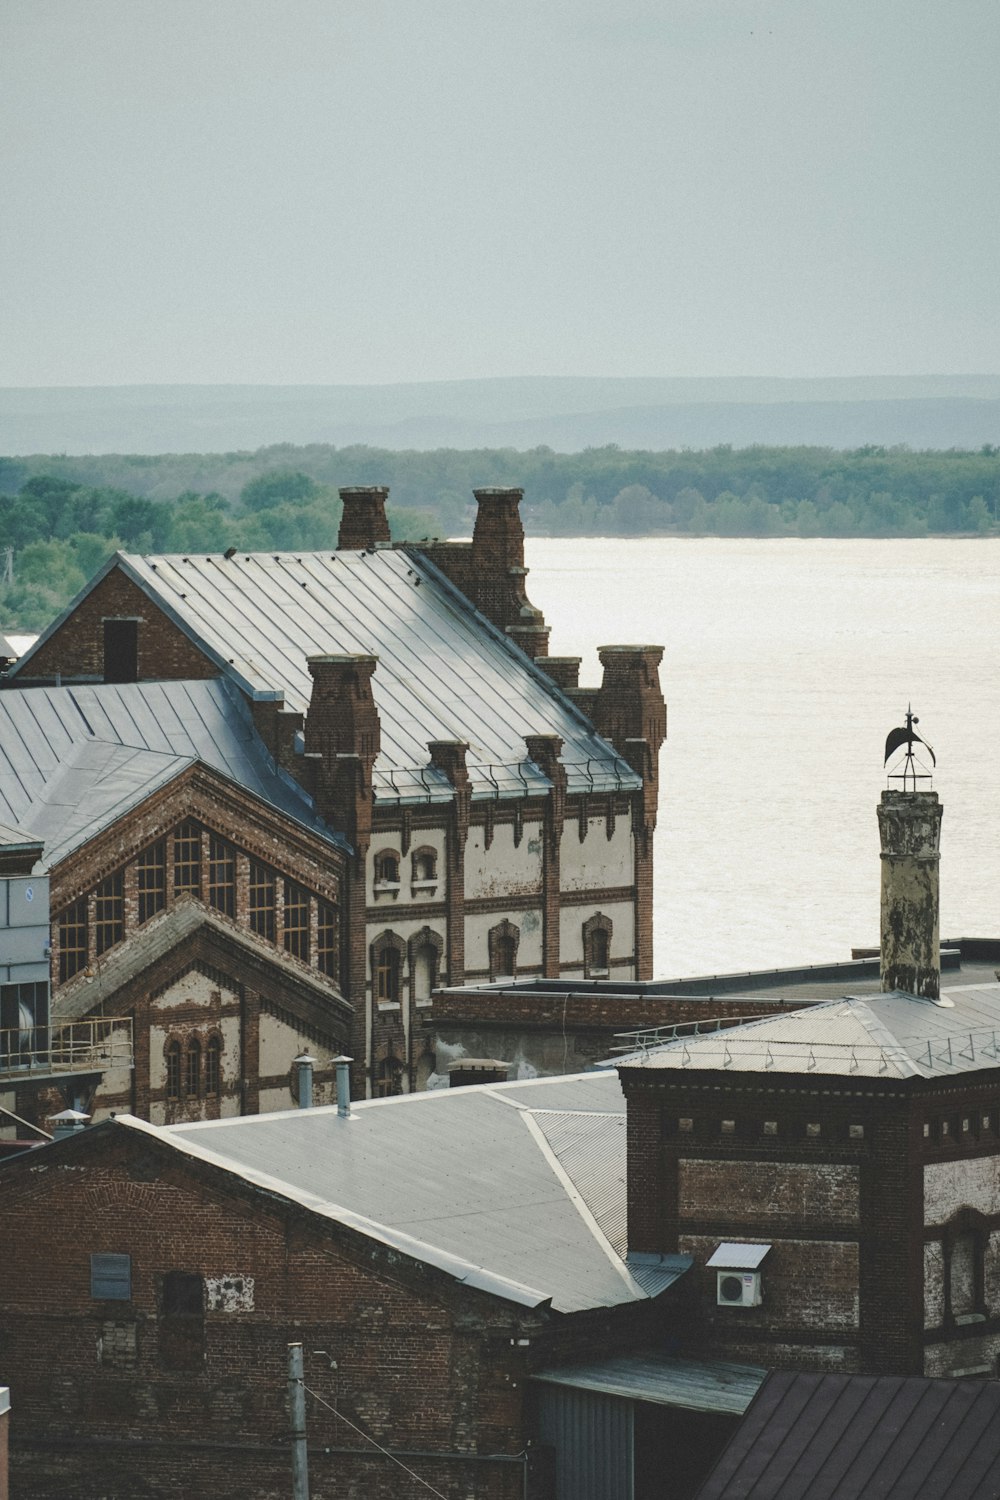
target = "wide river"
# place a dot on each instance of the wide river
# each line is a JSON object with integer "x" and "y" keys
{"x": 786, "y": 663}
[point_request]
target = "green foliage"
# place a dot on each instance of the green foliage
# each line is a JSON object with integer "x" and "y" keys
{"x": 63, "y": 515}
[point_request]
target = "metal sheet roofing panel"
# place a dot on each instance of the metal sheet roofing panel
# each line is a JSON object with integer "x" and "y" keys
{"x": 695, "y": 1385}
{"x": 444, "y": 672}
{"x": 852, "y": 1437}
{"x": 891, "y": 1035}
{"x": 731, "y": 1255}
{"x": 75, "y": 758}
{"x": 460, "y": 1172}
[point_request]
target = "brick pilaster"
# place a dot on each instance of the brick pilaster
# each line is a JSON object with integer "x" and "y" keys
{"x": 544, "y": 750}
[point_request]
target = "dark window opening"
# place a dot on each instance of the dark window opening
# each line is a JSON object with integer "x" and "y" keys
{"x": 73, "y": 940}
{"x": 222, "y": 876}
{"x": 213, "y": 1067}
{"x": 192, "y": 1069}
{"x": 109, "y": 913}
{"x": 327, "y": 944}
{"x": 151, "y": 879}
{"x": 121, "y": 650}
{"x": 503, "y": 942}
{"x": 424, "y": 866}
{"x": 296, "y": 921}
{"x": 172, "y": 1058}
{"x": 263, "y": 896}
{"x": 387, "y": 976}
{"x": 387, "y": 868}
{"x": 182, "y": 1320}
{"x": 187, "y": 860}
{"x": 597, "y": 932}
{"x": 388, "y": 1077}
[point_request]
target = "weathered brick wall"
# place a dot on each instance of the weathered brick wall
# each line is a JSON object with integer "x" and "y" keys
{"x": 77, "y": 648}
{"x": 769, "y": 1192}
{"x": 114, "y": 1389}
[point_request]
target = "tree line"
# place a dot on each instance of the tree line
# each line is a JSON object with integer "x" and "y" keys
{"x": 62, "y": 516}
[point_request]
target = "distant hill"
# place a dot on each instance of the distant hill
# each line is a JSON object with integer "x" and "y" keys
{"x": 566, "y": 414}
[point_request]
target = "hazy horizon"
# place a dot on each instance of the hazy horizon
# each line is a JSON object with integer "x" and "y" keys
{"x": 374, "y": 192}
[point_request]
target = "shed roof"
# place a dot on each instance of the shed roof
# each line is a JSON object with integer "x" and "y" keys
{"x": 852, "y": 1437}
{"x": 74, "y": 759}
{"x": 521, "y": 1183}
{"x": 444, "y": 672}
{"x": 892, "y": 1035}
{"x": 662, "y": 1379}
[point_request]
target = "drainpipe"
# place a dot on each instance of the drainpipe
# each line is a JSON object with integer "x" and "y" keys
{"x": 343, "y": 1065}
{"x": 304, "y": 1065}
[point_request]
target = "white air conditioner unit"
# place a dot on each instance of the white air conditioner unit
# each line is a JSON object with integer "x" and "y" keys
{"x": 738, "y": 1289}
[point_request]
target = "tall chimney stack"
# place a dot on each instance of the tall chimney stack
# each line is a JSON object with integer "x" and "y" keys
{"x": 364, "y": 522}
{"x": 910, "y": 831}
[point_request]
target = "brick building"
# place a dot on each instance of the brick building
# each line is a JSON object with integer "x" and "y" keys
{"x": 835, "y": 1172}
{"x": 489, "y": 817}
{"x": 453, "y": 1264}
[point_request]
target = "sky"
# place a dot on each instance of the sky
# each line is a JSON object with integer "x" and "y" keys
{"x": 372, "y": 191}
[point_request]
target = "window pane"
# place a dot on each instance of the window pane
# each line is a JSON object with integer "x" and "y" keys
{"x": 262, "y": 897}
{"x": 213, "y": 1066}
{"x": 111, "y": 1277}
{"x": 222, "y": 876}
{"x": 187, "y": 859}
{"x": 151, "y": 880}
{"x": 296, "y": 920}
{"x": 192, "y": 1070}
{"x": 326, "y": 940}
{"x": 109, "y": 913}
{"x": 73, "y": 940}
{"x": 172, "y": 1056}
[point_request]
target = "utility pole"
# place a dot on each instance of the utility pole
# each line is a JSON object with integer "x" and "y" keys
{"x": 297, "y": 1412}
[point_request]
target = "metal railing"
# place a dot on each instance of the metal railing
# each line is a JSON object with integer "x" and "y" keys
{"x": 523, "y": 779}
{"x": 94, "y": 1044}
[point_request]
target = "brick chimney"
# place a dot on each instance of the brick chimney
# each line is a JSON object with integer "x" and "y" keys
{"x": 629, "y": 704}
{"x": 342, "y": 717}
{"x": 498, "y": 571}
{"x": 910, "y": 831}
{"x": 364, "y": 522}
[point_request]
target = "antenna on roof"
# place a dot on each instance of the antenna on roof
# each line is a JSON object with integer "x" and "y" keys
{"x": 907, "y": 735}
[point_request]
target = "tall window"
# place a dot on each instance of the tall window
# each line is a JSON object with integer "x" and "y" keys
{"x": 387, "y": 868}
{"x": 121, "y": 650}
{"x": 327, "y": 955}
{"x": 172, "y": 1060}
{"x": 296, "y": 920}
{"x": 388, "y": 970}
{"x": 187, "y": 859}
{"x": 192, "y": 1069}
{"x": 222, "y": 876}
{"x": 388, "y": 1077}
{"x": 597, "y": 931}
{"x": 503, "y": 941}
{"x": 151, "y": 880}
{"x": 73, "y": 940}
{"x": 109, "y": 913}
{"x": 263, "y": 900}
{"x": 213, "y": 1066}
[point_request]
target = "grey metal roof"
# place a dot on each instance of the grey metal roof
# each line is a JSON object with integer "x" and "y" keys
{"x": 484, "y": 1178}
{"x": 733, "y": 1256}
{"x": 74, "y": 759}
{"x": 892, "y": 1035}
{"x": 444, "y": 672}
{"x": 855, "y": 1437}
{"x": 695, "y": 1385}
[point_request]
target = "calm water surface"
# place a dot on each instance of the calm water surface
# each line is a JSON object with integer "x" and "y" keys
{"x": 786, "y": 663}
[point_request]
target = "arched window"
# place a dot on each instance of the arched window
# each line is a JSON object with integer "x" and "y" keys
{"x": 423, "y": 868}
{"x": 503, "y": 941}
{"x": 597, "y": 931}
{"x": 426, "y": 953}
{"x": 388, "y": 1077}
{"x": 213, "y": 1066}
{"x": 387, "y": 870}
{"x": 192, "y": 1069}
{"x": 172, "y": 1059}
{"x": 387, "y": 953}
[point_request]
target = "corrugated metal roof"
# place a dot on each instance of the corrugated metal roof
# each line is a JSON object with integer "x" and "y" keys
{"x": 894, "y": 1035}
{"x": 74, "y": 759}
{"x": 853, "y": 1437}
{"x": 695, "y": 1385}
{"x": 731, "y": 1255}
{"x": 478, "y": 1174}
{"x": 444, "y": 672}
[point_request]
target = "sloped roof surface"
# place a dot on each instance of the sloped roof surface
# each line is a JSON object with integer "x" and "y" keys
{"x": 894, "y": 1035}
{"x": 444, "y": 672}
{"x": 853, "y": 1437}
{"x": 485, "y": 1176}
{"x": 73, "y": 759}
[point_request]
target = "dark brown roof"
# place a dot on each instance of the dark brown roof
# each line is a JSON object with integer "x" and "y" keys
{"x": 861, "y": 1437}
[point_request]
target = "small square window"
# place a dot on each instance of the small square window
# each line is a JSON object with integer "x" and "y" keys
{"x": 986, "y": 1122}
{"x": 927, "y": 1130}
{"x": 945, "y": 1127}
{"x": 685, "y": 1125}
{"x": 966, "y": 1125}
{"x": 111, "y": 1278}
{"x": 813, "y": 1129}
{"x": 856, "y": 1132}
{"x": 770, "y": 1127}
{"x": 728, "y": 1127}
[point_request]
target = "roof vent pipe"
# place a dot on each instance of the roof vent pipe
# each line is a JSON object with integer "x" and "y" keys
{"x": 343, "y": 1066}
{"x": 304, "y": 1070}
{"x": 67, "y": 1122}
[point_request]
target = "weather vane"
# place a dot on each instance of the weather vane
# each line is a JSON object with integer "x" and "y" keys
{"x": 909, "y": 737}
